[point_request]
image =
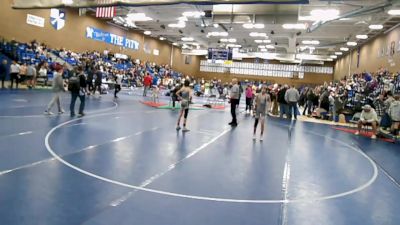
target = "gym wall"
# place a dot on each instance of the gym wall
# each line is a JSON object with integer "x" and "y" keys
{"x": 13, "y": 25}
{"x": 309, "y": 78}
{"x": 374, "y": 54}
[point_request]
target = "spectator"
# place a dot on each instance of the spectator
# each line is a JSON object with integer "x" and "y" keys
{"x": 368, "y": 117}
{"x": 292, "y": 97}
{"x": 234, "y": 99}
{"x": 309, "y": 102}
{"x": 58, "y": 89}
{"x": 97, "y": 82}
{"x": 23, "y": 71}
{"x": 3, "y": 72}
{"x": 77, "y": 87}
{"x": 118, "y": 83}
{"x": 31, "y": 75}
{"x": 379, "y": 105}
{"x": 14, "y": 74}
{"x": 394, "y": 113}
{"x": 249, "y": 98}
{"x": 283, "y": 108}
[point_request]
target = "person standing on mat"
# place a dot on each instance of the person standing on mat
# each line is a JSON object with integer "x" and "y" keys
{"x": 3, "y": 72}
{"x": 58, "y": 89}
{"x": 262, "y": 103}
{"x": 118, "y": 82}
{"x": 77, "y": 87}
{"x": 234, "y": 100}
{"x": 146, "y": 83}
{"x": 185, "y": 96}
{"x": 292, "y": 96}
{"x": 14, "y": 74}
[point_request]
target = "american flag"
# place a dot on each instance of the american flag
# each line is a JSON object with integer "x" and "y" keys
{"x": 105, "y": 12}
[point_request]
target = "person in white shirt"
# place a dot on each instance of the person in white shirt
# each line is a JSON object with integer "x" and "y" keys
{"x": 14, "y": 74}
{"x": 118, "y": 82}
{"x": 368, "y": 117}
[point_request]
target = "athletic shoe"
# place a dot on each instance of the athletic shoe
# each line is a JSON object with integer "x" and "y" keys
{"x": 373, "y": 136}
{"x": 61, "y": 112}
{"x": 234, "y": 124}
{"x": 48, "y": 112}
{"x": 81, "y": 114}
{"x": 261, "y": 138}
{"x": 72, "y": 115}
{"x": 357, "y": 133}
{"x": 185, "y": 129}
{"x": 178, "y": 128}
{"x": 230, "y": 123}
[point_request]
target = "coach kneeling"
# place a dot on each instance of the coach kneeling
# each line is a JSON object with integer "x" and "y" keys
{"x": 368, "y": 118}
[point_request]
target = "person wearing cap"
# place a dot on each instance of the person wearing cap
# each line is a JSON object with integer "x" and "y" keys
{"x": 368, "y": 117}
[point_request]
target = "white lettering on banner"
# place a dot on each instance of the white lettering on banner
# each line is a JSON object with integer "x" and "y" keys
{"x": 117, "y": 40}
{"x": 35, "y": 20}
{"x": 130, "y": 44}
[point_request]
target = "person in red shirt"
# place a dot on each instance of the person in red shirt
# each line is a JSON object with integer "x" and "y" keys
{"x": 147, "y": 81}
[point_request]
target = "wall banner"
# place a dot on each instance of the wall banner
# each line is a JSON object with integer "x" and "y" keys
{"x": 34, "y": 20}
{"x": 57, "y": 18}
{"x": 114, "y": 39}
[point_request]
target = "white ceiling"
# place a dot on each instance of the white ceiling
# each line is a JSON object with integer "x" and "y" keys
{"x": 359, "y": 14}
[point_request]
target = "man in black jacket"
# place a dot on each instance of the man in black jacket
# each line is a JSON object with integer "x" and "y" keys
{"x": 3, "y": 72}
{"x": 77, "y": 87}
{"x": 283, "y": 107}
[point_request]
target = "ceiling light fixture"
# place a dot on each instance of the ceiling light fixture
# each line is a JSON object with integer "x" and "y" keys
{"x": 193, "y": 14}
{"x": 176, "y": 44}
{"x": 261, "y": 46}
{"x": 338, "y": 53}
{"x": 297, "y": 26}
{"x": 216, "y": 25}
{"x": 333, "y": 56}
{"x": 187, "y": 39}
{"x": 183, "y": 18}
{"x": 162, "y": 38}
{"x": 351, "y": 43}
{"x": 218, "y": 34}
{"x": 138, "y": 17}
{"x": 324, "y": 14}
{"x": 394, "y": 12}
{"x": 147, "y": 32}
{"x": 180, "y": 24}
{"x": 252, "y": 25}
{"x": 263, "y": 50}
{"x": 233, "y": 46}
{"x": 344, "y": 49}
{"x": 270, "y": 47}
{"x": 362, "y": 36}
{"x": 376, "y": 27}
{"x": 256, "y": 34}
{"x": 310, "y": 42}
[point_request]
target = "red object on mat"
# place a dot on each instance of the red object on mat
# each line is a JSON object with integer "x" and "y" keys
{"x": 218, "y": 107}
{"x": 365, "y": 134}
{"x": 153, "y": 104}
